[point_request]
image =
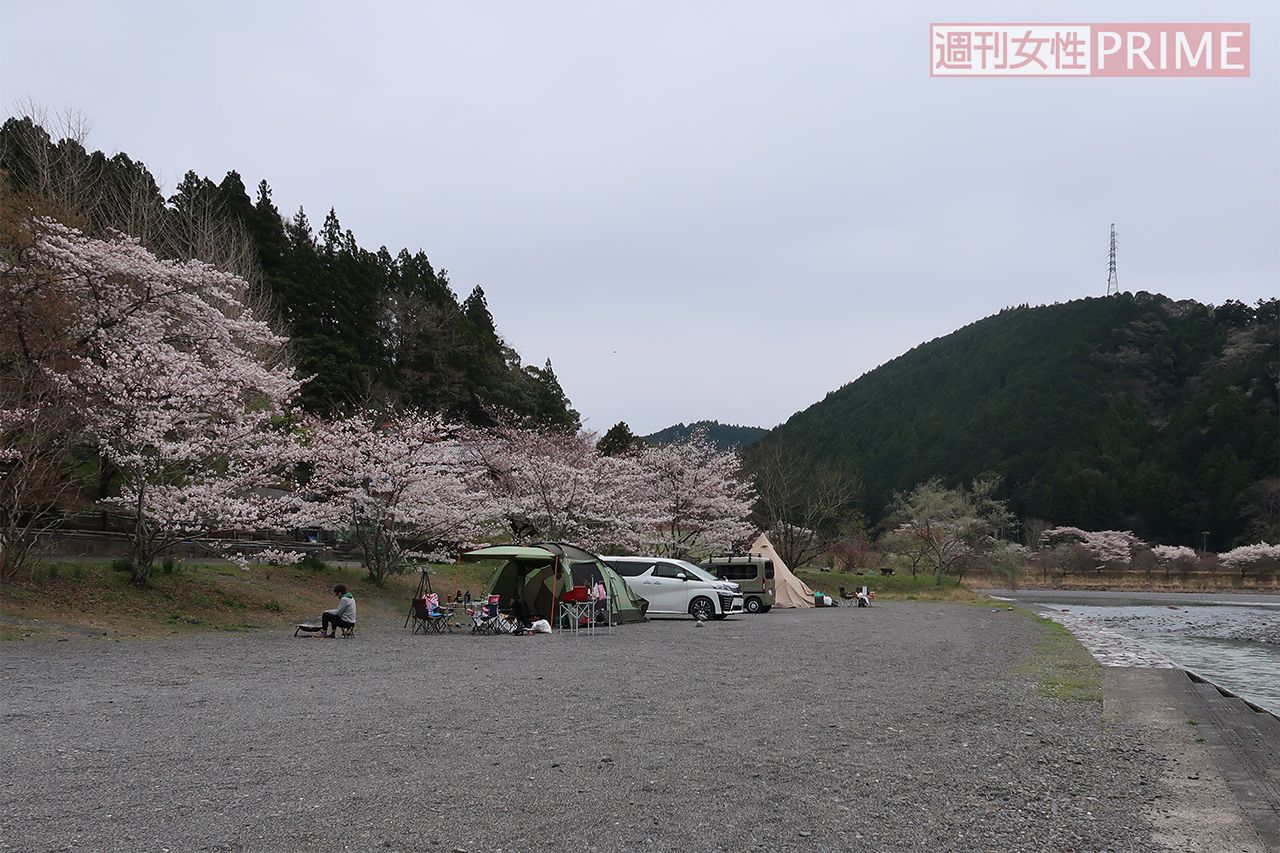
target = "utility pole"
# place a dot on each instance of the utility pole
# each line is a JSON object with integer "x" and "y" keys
{"x": 1113, "y": 281}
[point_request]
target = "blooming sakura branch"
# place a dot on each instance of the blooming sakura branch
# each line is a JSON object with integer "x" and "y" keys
{"x": 1089, "y": 50}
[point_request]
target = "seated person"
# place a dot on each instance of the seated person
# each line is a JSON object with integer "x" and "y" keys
{"x": 520, "y": 610}
{"x": 342, "y": 616}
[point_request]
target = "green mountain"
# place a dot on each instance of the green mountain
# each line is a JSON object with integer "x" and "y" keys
{"x": 1128, "y": 412}
{"x": 723, "y": 436}
{"x": 368, "y": 325}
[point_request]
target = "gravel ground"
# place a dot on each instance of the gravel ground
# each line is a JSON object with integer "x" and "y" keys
{"x": 900, "y": 727}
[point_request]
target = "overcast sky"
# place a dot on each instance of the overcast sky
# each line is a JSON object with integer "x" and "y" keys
{"x": 710, "y": 210}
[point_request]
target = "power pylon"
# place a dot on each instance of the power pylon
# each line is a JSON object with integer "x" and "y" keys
{"x": 1113, "y": 281}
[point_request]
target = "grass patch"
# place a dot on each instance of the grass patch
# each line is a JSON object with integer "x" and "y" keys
{"x": 890, "y": 587}
{"x": 69, "y": 596}
{"x": 1061, "y": 667}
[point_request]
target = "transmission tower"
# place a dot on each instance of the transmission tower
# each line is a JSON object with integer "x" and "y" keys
{"x": 1113, "y": 281}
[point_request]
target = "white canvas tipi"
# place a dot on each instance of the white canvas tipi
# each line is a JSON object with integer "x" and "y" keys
{"x": 789, "y": 590}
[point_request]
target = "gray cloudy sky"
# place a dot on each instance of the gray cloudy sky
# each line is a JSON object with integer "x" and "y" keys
{"x": 696, "y": 210}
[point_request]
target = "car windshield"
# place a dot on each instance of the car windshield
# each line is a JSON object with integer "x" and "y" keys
{"x": 694, "y": 572}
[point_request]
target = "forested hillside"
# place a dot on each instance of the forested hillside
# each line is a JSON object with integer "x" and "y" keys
{"x": 370, "y": 326}
{"x": 1128, "y": 412}
{"x": 723, "y": 436}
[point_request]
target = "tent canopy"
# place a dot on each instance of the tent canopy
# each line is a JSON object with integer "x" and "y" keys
{"x": 789, "y": 590}
{"x": 508, "y": 552}
{"x": 541, "y": 574}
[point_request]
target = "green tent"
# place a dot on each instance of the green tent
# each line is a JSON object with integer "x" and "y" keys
{"x": 542, "y": 573}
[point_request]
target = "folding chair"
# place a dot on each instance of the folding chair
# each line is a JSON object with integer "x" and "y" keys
{"x": 438, "y": 619}
{"x": 484, "y": 619}
{"x": 421, "y": 616}
{"x": 428, "y": 618}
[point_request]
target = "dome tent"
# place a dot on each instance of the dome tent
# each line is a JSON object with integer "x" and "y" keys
{"x": 789, "y": 591}
{"x": 542, "y": 573}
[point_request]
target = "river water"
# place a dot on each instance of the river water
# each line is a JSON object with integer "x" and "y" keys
{"x": 1233, "y": 641}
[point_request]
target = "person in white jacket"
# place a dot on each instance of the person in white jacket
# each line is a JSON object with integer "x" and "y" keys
{"x": 342, "y": 616}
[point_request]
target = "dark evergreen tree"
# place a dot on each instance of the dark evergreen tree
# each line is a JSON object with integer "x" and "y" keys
{"x": 619, "y": 440}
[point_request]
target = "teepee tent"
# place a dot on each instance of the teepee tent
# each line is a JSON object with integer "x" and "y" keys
{"x": 790, "y": 590}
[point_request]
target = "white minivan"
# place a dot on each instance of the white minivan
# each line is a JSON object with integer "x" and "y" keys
{"x": 678, "y": 588}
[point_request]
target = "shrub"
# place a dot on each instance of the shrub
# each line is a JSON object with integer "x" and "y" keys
{"x": 170, "y": 566}
{"x": 311, "y": 561}
{"x": 122, "y": 566}
{"x": 1009, "y": 563}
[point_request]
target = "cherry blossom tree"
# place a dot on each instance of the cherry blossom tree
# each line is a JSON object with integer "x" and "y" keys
{"x": 699, "y": 496}
{"x": 1172, "y": 553}
{"x": 1247, "y": 556}
{"x": 1105, "y": 546}
{"x": 401, "y": 487}
{"x": 553, "y": 485}
{"x": 1169, "y": 556}
{"x": 180, "y": 386}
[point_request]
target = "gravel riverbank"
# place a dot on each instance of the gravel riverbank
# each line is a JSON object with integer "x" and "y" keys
{"x": 901, "y": 727}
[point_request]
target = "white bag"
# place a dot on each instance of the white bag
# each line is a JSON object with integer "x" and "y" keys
{"x": 540, "y": 626}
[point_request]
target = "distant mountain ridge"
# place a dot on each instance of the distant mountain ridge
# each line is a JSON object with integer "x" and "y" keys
{"x": 723, "y": 436}
{"x": 1129, "y": 412}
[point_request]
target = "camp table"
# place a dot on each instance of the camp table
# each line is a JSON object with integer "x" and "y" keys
{"x": 590, "y": 611}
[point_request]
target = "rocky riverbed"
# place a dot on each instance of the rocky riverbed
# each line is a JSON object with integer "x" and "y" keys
{"x": 1213, "y": 622}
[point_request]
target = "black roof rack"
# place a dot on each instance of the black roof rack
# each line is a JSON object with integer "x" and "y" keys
{"x": 745, "y": 558}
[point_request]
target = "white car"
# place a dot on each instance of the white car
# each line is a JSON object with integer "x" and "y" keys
{"x": 678, "y": 588}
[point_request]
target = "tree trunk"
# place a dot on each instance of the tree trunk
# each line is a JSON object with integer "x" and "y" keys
{"x": 142, "y": 549}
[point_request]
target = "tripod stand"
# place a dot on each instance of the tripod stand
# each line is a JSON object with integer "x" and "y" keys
{"x": 424, "y": 587}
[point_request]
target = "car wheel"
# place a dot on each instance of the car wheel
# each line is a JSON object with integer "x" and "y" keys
{"x": 766, "y": 608}
{"x": 753, "y": 605}
{"x": 702, "y": 608}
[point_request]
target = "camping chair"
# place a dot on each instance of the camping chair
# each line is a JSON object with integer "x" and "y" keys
{"x": 484, "y": 619}
{"x": 439, "y": 619}
{"x": 428, "y": 618}
{"x": 421, "y": 616}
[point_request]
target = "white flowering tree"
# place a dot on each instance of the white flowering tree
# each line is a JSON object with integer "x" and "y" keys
{"x": 699, "y": 497}
{"x": 553, "y": 485}
{"x": 1168, "y": 556}
{"x": 1248, "y": 557}
{"x": 179, "y": 384}
{"x": 400, "y": 487}
{"x": 1106, "y": 547}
